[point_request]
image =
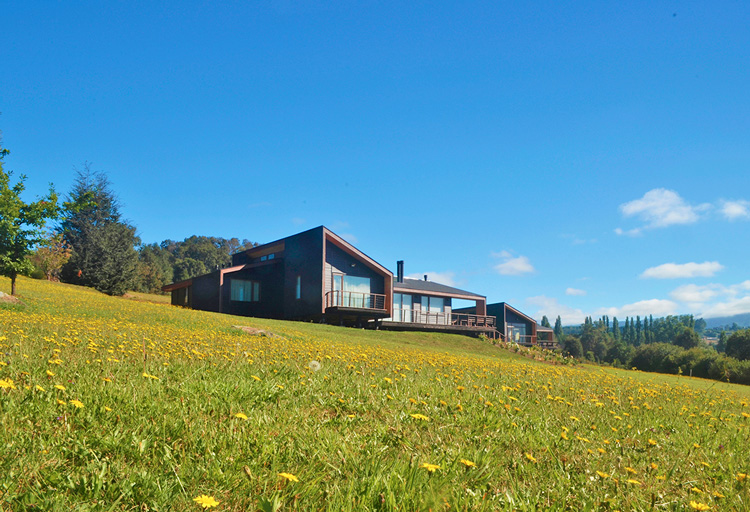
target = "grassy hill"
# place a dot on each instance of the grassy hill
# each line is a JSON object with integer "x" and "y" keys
{"x": 121, "y": 404}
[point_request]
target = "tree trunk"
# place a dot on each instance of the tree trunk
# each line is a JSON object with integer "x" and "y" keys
{"x": 13, "y": 284}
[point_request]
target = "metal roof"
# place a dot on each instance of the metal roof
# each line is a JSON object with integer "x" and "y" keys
{"x": 417, "y": 285}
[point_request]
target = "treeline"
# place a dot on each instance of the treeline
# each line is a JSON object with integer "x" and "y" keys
{"x": 670, "y": 344}
{"x": 94, "y": 246}
{"x": 171, "y": 261}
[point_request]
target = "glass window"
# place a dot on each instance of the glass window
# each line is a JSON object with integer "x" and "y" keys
{"x": 263, "y": 258}
{"x": 271, "y": 256}
{"x": 298, "y": 291}
{"x": 437, "y": 304}
{"x": 245, "y": 291}
{"x": 356, "y": 292}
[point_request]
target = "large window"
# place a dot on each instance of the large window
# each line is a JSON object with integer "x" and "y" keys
{"x": 245, "y": 291}
{"x": 402, "y": 307}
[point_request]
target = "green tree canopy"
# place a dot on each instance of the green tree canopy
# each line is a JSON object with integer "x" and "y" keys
{"x": 103, "y": 247}
{"x": 687, "y": 338}
{"x": 738, "y": 345}
{"x": 21, "y": 224}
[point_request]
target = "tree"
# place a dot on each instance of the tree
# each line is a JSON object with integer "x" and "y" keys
{"x": 104, "y": 255}
{"x": 21, "y": 224}
{"x": 545, "y": 321}
{"x": 50, "y": 256}
{"x": 558, "y": 328}
{"x": 721, "y": 345}
{"x": 615, "y": 328}
{"x": 687, "y": 338}
{"x": 738, "y": 345}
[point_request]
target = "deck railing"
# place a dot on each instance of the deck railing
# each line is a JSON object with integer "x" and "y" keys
{"x": 416, "y": 316}
{"x": 359, "y": 300}
{"x": 473, "y": 320}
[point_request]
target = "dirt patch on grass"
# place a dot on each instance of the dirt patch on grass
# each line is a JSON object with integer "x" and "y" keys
{"x": 9, "y": 299}
{"x": 258, "y": 332}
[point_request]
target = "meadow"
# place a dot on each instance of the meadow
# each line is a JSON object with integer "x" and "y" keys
{"x": 132, "y": 404}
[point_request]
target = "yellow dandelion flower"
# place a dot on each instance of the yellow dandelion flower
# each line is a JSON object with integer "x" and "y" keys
{"x": 255, "y": 377}
{"x": 696, "y": 490}
{"x": 289, "y": 477}
{"x": 467, "y": 463}
{"x": 696, "y": 445}
{"x": 60, "y": 387}
{"x": 652, "y": 442}
{"x": 602, "y": 474}
{"x": 240, "y": 416}
{"x": 420, "y": 417}
{"x": 717, "y": 494}
{"x": 78, "y": 404}
{"x": 39, "y": 388}
{"x": 699, "y": 506}
{"x": 50, "y": 374}
{"x": 741, "y": 477}
{"x": 574, "y": 418}
{"x": 634, "y": 482}
{"x": 7, "y": 384}
{"x": 530, "y": 457}
{"x": 61, "y": 402}
{"x": 108, "y": 409}
{"x": 431, "y": 468}
{"x": 564, "y": 435}
{"x": 654, "y": 465}
{"x": 630, "y": 470}
{"x": 206, "y": 501}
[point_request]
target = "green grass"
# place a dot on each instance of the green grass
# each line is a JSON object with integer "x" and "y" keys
{"x": 350, "y": 432}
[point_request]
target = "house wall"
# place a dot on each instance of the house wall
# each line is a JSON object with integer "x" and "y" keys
{"x": 338, "y": 261}
{"x": 206, "y": 292}
{"x": 271, "y": 303}
{"x": 303, "y": 256}
{"x": 182, "y": 297}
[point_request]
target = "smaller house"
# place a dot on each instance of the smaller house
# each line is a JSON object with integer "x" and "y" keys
{"x": 515, "y": 326}
{"x": 420, "y": 305}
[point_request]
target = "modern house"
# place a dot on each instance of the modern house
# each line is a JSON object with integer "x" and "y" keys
{"x": 516, "y": 326}
{"x": 314, "y": 275}
{"x": 318, "y": 276}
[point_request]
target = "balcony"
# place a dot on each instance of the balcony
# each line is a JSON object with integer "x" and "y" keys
{"x": 343, "y": 300}
{"x": 439, "y": 318}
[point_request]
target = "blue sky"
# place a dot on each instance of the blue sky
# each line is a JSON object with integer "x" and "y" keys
{"x": 576, "y": 159}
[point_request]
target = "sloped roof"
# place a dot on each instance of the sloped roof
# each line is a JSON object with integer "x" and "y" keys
{"x": 417, "y": 285}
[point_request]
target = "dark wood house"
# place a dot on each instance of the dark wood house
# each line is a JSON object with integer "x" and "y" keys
{"x": 313, "y": 275}
{"x": 517, "y": 327}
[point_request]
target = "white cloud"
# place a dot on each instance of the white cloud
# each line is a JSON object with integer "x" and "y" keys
{"x": 681, "y": 270}
{"x": 349, "y": 238}
{"x": 656, "y": 307}
{"x": 735, "y": 210}
{"x": 659, "y": 208}
{"x": 552, "y": 308}
{"x": 513, "y": 266}
{"x": 446, "y": 278}
{"x": 695, "y": 293}
{"x": 574, "y": 291}
{"x": 630, "y": 232}
{"x": 728, "y": 308}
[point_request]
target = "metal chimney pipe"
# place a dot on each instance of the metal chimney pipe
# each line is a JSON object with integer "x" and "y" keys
{"x": 425, "y": 277}
{"x": 400, "y": 271}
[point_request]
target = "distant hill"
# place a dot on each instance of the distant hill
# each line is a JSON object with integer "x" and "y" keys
{"x": 742, "y": 320}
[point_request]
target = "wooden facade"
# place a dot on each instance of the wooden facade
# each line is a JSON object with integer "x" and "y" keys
{"x": 293, "y": 278}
